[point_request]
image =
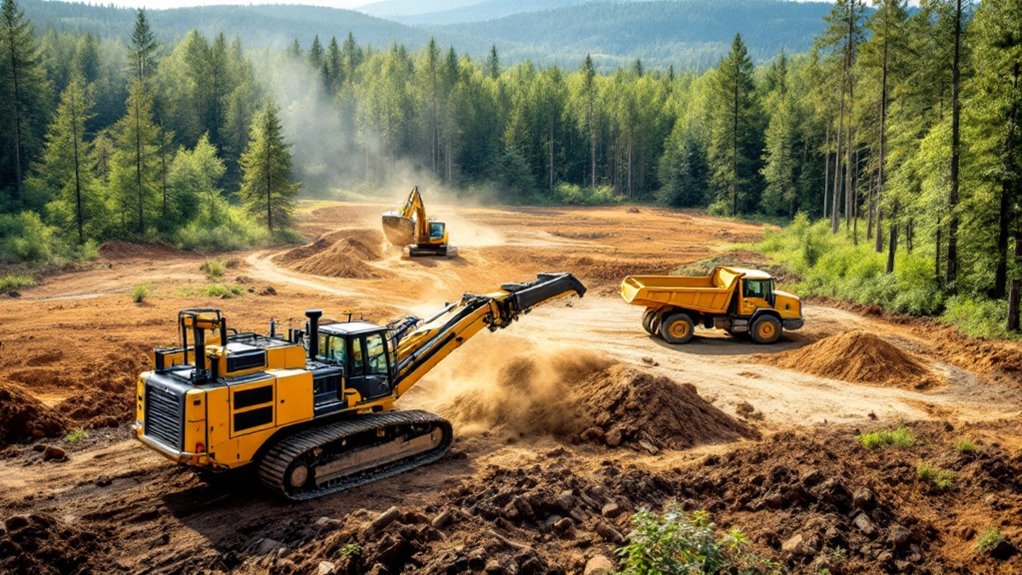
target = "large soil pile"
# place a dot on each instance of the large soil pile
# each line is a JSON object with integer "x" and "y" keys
{"x": 582, "y": 397}
{"x": 342, "y": 254}
{"x": 858, "y": 357}
{"x": 24, "y": 418}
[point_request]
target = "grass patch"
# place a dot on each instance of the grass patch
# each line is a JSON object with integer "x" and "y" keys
{"x": 12, "y": 282}
{"x": 679, "y": 542}
{"x": 941, "y": 478}
{"x": 352, "y": 549}
{"x": 76, "y": 435}
{"x": 902, "y": 438}
{"x": 141, "y": 293}
{"x": 214, "y": 269}
{"x": 988, "y": 540}
{"x": 965, "y": 445}
{"x": 222, "y": 291}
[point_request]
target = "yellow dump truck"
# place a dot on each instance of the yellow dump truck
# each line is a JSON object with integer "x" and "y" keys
{"x": 737, "y": 300}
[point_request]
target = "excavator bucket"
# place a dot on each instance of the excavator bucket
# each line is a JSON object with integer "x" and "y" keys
{"x": 399, "y": 230}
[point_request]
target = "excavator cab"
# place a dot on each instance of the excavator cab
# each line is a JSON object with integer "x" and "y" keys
{"x": 363, "y": 353}
{"x": 437, "y": 232}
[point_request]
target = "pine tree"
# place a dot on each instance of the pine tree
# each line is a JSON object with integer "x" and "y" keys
{"x": 266, "y": 189}
{"x": 589, "y": 87}
{"x": 780, "y": 170}
{"x": 23, "y": 104}
{"x": 64, "y": 170}
{"x": 493, "y": 63}
{"x": 683, "y": 170}
{"x": 134, "y": 173}
{"x": 143, "y": 46}
{"x": 735, "y": 148}
{"x": 334, "y": 66}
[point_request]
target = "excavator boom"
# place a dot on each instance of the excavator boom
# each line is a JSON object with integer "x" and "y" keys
{"x": 411, "y": 227}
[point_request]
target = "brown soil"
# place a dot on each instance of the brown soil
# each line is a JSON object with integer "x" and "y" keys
{"x": 520, "y": 491}
{"x": 625, "y": 405}
{"x": 342, "y": 254}
{"x": 858, "y": 357}
{"x": 24, "y": 418}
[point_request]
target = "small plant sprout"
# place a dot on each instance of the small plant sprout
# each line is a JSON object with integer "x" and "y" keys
{"x": 965, "y": 445}
{"x": 989, "y": 540}
{"x": 902, "y": 438}
{"x": 941, "y": 478}
{"x": 141, "y": 293}
{"x": 76, "y": 435}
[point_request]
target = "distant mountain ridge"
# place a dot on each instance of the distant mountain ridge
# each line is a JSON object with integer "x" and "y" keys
{"x": 682, "y": 33}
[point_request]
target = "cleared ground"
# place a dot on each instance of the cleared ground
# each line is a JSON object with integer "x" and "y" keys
{"x": 769, "y": 449}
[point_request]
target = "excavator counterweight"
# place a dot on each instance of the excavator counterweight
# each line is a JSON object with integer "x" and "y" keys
{"x": 314, "y": 410}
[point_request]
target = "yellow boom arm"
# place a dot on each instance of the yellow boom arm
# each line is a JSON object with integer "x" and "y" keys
{"x": 422, "y": 349}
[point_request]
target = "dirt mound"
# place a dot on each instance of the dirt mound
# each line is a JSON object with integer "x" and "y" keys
{"x": 42, "y": 543}
{"x": 24, "y": 418}
{"x": 859, "y": 357}
{"x": 121, "y": 250}
{"x": 627, "y": 405}
{"x": 342, "y": 254}
{"x": 579, "y": 396}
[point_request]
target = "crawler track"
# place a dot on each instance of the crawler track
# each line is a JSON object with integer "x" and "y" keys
{"x": 345, "y": 445}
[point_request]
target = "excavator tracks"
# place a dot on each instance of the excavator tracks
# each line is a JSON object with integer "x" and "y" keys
{"x": 353, "y": 452}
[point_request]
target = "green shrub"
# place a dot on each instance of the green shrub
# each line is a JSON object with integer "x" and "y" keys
{"x": 988, "y": 540}
{"x": 141, "y": 293}
{"x": 678, "y": 542}
{"x": 225, "y": 229}
{"x": 901, "y": 438}
{"x": 11, "y": 282}
{"x": 24, "y": 238}
{"x": 222, "y": 291}
{"x": 573, "y": 194}
{"x": 941, "y": 478}
{"x": 965, "y": 445}
{"x": 214, "y": 268}
{"x": 352, "y": 549}
{"x": 978, "y": 316}
{"x": 76, "y": 435}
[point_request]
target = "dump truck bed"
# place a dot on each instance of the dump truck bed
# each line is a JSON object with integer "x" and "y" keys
{"x": 708, "y": 294}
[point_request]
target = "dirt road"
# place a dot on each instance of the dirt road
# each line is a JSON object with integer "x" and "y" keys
{"x": 76, "y": 342}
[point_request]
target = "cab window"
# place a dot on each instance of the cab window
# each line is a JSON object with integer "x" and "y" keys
{"x": 376, "y": 355}
{"x": 331, "y": 349}
{"x": 436, "y": 231}
{"x": 357, "y": 357}
{"x": 761, "y": 289}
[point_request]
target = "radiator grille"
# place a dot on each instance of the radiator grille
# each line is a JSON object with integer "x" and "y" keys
{"x": 164, "y": 412}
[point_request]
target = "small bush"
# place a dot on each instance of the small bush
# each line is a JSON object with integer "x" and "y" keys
{"x": 573, "y": 194}
{"x": 978, "y": 316}
{"x": 901, "y": 438}
{"x": 76, "y": 435}
{"x": 352, "y": 549}
{"x": 965, "y": 445}
{"x": 224, "y": 228}
{"x": 214, "y": 269}
{"x": 141, "y": 293}
{"x": 941, "y": 478}
{"x": 678, "y": 542}
{"x": 988, "y": 540}
{"x": 222, "y": 291}
{"x": 24, "y": 238}
{"x": 13, "y": 282}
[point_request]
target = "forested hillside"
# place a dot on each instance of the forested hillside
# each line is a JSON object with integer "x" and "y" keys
{"x": 899, "y": 127}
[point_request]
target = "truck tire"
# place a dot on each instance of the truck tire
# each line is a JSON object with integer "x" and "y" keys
{"x": 647, "y": 321}
{"x": 766, "y": 329}
{"x": 677, "y": 328}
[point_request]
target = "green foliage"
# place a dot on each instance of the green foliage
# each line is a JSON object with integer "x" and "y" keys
{"x": 965, "y": 445}
{"x": 232, "y": 228}
{"x": 12, "y": 282}
{"x": 902, "y": 438}
{"x": 572, "y": 194}
{"x": 214, "y": 268}
{"x": 266, "y": 188}
{"x": 941, "y": 478}
{"x": 833, "y": 266}
{"x": 76, "y": 435}
{"x": 352, "y": 549}
{"x": 141, "y": 293}
{"x": 677, "y": 542}
{"x": 978, "y": 316}
{"x": 988, "y": 540}
{"x": 25, "y": 238}
{"x": 222, "y": 291}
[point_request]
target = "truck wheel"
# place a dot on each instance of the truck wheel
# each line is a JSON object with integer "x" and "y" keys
{"x": 647, "y": 321}
{"x": 766, "y": 329}
{"x": 677, "y": 328}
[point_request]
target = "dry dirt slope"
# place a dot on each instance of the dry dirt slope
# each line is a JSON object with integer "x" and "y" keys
{"x": 521, "y": 491}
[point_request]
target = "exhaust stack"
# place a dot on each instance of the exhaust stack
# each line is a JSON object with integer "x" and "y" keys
{"x": 313, "y": 315}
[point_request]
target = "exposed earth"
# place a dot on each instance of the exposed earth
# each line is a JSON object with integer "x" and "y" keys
{"x": 612, "y": 420}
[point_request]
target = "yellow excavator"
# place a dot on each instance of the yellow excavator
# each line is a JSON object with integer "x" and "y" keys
{"x": 313, "y": 409}
{"x": 411, "y": 227}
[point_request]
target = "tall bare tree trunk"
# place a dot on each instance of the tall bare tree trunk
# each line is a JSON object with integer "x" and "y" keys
{"x": 826, "y": 169}
{"x": 952, "y": 232}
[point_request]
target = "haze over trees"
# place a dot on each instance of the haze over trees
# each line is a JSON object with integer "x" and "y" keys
{"x": 899, "y": 128}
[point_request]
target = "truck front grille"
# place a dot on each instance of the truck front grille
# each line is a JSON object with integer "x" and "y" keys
{"x": 164, "y": 415}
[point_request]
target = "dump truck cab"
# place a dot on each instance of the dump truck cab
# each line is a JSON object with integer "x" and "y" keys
{"x": 737, "y": 300}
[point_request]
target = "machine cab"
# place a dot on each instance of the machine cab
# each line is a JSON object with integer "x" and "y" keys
{"x": 362, "y": 354}
{"x": 437, "y": 232}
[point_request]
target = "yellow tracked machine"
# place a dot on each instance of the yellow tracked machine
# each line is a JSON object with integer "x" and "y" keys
{"x": 411, "y": 227}
{"x": 314, "y": 408}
